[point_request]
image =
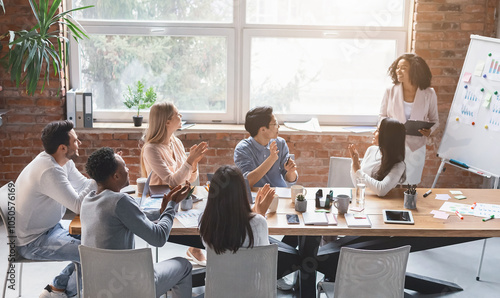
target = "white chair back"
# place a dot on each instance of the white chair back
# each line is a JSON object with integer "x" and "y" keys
{"x": 339, "y": 172}
{"x": 371, "y": 273}
{"x": 247, "y": 273}
{"x": 117, "y": 273}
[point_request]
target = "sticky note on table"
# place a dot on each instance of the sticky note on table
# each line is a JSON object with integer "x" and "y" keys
{"x": 443, "y": 197}
{"x": 440, "y": 214}
{"x": 455, "y": 192}
{"x": 460, "y": 197}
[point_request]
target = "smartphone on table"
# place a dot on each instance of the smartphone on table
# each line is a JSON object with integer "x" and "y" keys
{"x": 292, "y": 219}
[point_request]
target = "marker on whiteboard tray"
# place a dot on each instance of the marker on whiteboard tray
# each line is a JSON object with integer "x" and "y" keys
{"x": 459, "y": 163}
{"x": 459, "y": 215}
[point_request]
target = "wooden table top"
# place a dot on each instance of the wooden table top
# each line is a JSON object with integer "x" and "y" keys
{"x": 425, "y": 224}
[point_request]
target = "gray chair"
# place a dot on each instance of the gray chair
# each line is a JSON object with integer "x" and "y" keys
{"x": 339, "y": 172}
{"x": 250, "y": 272}
{"x": 117, "y": 273}
{"x": 368, "y": 273}
{"x": 8, "y": 215}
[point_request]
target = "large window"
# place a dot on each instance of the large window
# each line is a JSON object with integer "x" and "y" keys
{"x": 215, "y": 59}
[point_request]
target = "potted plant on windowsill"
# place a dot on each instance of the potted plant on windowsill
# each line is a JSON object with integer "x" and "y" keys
{"x": 139, "y": 99}
{"x": 300, "y": 203}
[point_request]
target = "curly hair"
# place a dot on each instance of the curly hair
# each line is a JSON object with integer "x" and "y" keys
{"x": 101, "y": 164}
{"x": 420, "y": 73}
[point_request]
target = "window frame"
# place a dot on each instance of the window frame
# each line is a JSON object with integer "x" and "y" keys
{"x": 238, "y": 35}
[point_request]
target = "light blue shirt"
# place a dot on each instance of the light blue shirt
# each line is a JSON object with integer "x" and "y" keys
{"x": 249, "y": 154}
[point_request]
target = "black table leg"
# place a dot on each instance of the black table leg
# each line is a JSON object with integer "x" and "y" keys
{"x": 428, "y": 285}
{"x": 308, "y": 248}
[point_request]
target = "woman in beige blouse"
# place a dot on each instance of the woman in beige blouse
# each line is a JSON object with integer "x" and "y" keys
{"x": 164, "y": 155}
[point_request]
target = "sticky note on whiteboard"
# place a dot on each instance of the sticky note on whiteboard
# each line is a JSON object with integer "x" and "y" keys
{"x": 466, "y": 77}
{"x": 479, "y": 68}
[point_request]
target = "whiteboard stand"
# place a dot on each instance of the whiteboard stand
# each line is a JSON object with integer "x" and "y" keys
{"x": 472, "y": 170}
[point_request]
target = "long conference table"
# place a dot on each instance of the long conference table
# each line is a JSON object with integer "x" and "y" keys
{"x": 440, "y": 232}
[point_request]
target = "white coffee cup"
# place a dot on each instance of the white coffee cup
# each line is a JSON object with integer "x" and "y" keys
{"x": 342, "y": 203}
{"x": 296, "y": 189}
{"x": 141, "y": 182}
{"x": 274, "y": 204}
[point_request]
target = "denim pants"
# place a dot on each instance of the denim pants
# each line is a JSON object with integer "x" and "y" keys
{"x": 174, "y": 274}
{"x": 58, "y": 245}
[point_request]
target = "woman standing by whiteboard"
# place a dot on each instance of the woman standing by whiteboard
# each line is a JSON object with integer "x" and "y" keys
{"x": 411, "y": 98}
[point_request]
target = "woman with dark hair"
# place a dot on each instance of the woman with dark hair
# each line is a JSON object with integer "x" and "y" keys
{"x": 228, "y": 222}
{"x": 383, "y": 165}
{"x": 411, "y": 98}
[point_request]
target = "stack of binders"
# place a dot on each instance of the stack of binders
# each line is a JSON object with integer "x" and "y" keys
{"x": 79, "y": 108}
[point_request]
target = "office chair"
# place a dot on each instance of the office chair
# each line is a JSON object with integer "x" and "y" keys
{"x": 8, "y": 217}
{"x": 339, "y": 172}
{"x": 250, "y": 272}
{"x": 369, "y": 273}
{"x": 103, "y": 267}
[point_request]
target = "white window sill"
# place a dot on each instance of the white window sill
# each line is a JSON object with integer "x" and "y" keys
{"x": 216, "y": 128}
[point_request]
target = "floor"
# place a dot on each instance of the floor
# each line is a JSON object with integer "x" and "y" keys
{"x": 458, "y": 264}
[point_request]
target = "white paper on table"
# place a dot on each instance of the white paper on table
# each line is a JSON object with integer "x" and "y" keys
{"x": 189, "y": 218}
{"x": 443, "y": 197}
{"x": 456, "y": 192}
{"x": 284, "y": 192}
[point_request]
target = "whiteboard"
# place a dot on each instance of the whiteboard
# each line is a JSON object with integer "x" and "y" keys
{"x": 472, "y": 132}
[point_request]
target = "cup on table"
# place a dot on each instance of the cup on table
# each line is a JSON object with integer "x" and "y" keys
{"x": 274, "y": 204}
{"x": 141, "y": 182}
{"x": 342, "y": 203}
{"x": 187, "y": 203}
{"x": 410, "y": 201}
{"x": 295, "y": 190}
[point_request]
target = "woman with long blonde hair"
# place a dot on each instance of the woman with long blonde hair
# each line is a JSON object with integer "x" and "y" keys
{"x": 164, "y": 155}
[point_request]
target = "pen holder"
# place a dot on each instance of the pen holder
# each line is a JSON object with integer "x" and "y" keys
{"x": 328, "y": 200}
{"x": 410, "y": 201}
{"x": 187, "y": 203}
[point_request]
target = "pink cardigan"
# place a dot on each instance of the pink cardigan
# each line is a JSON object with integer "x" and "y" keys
{"x": 424, "y": 108}
{"x": 168, "y": 169}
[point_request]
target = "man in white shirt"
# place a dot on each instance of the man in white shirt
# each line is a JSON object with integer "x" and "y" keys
{"x": 45, "y": 188}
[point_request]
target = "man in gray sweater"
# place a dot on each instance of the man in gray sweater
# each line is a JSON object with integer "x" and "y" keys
{"x": 110, "y": 219}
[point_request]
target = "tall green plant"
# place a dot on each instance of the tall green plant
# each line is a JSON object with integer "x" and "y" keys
{"x": 138, "y": 98}
{"x": 34, "y": 50}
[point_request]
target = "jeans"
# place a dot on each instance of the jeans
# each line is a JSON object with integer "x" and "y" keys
{"x": 173, "y": 274}
{"x": 57, "y": 245}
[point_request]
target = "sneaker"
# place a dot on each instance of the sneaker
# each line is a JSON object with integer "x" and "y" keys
{"x": 287, "y": 282}
{"x": 48, "y": 293}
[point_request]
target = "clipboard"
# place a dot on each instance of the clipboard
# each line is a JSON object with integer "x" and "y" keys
{"x": 412, "y": 127}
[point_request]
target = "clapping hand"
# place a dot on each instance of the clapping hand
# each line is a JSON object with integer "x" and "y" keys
{"x": 355, "y": 157}
{"x": 196, "y": 153}
{"x": 177, "y": 194}
{"x": 263, "y": 200}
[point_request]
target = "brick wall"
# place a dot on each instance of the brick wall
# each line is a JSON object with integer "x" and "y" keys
{"x": 441, "y": 35}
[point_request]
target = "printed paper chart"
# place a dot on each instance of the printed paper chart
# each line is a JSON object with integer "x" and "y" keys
{"x": 471, "y": 101}
{"x": 492, "y": 68}
{"x": 481, "y": 210}
{"x": 493, "y": 121}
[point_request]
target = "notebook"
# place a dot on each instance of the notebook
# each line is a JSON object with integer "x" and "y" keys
{"x": 319, "y": 218}
{"x": 358, "y": 222}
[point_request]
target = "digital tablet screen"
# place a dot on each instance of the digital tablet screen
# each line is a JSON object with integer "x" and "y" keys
{"x": 398, "y": 216}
